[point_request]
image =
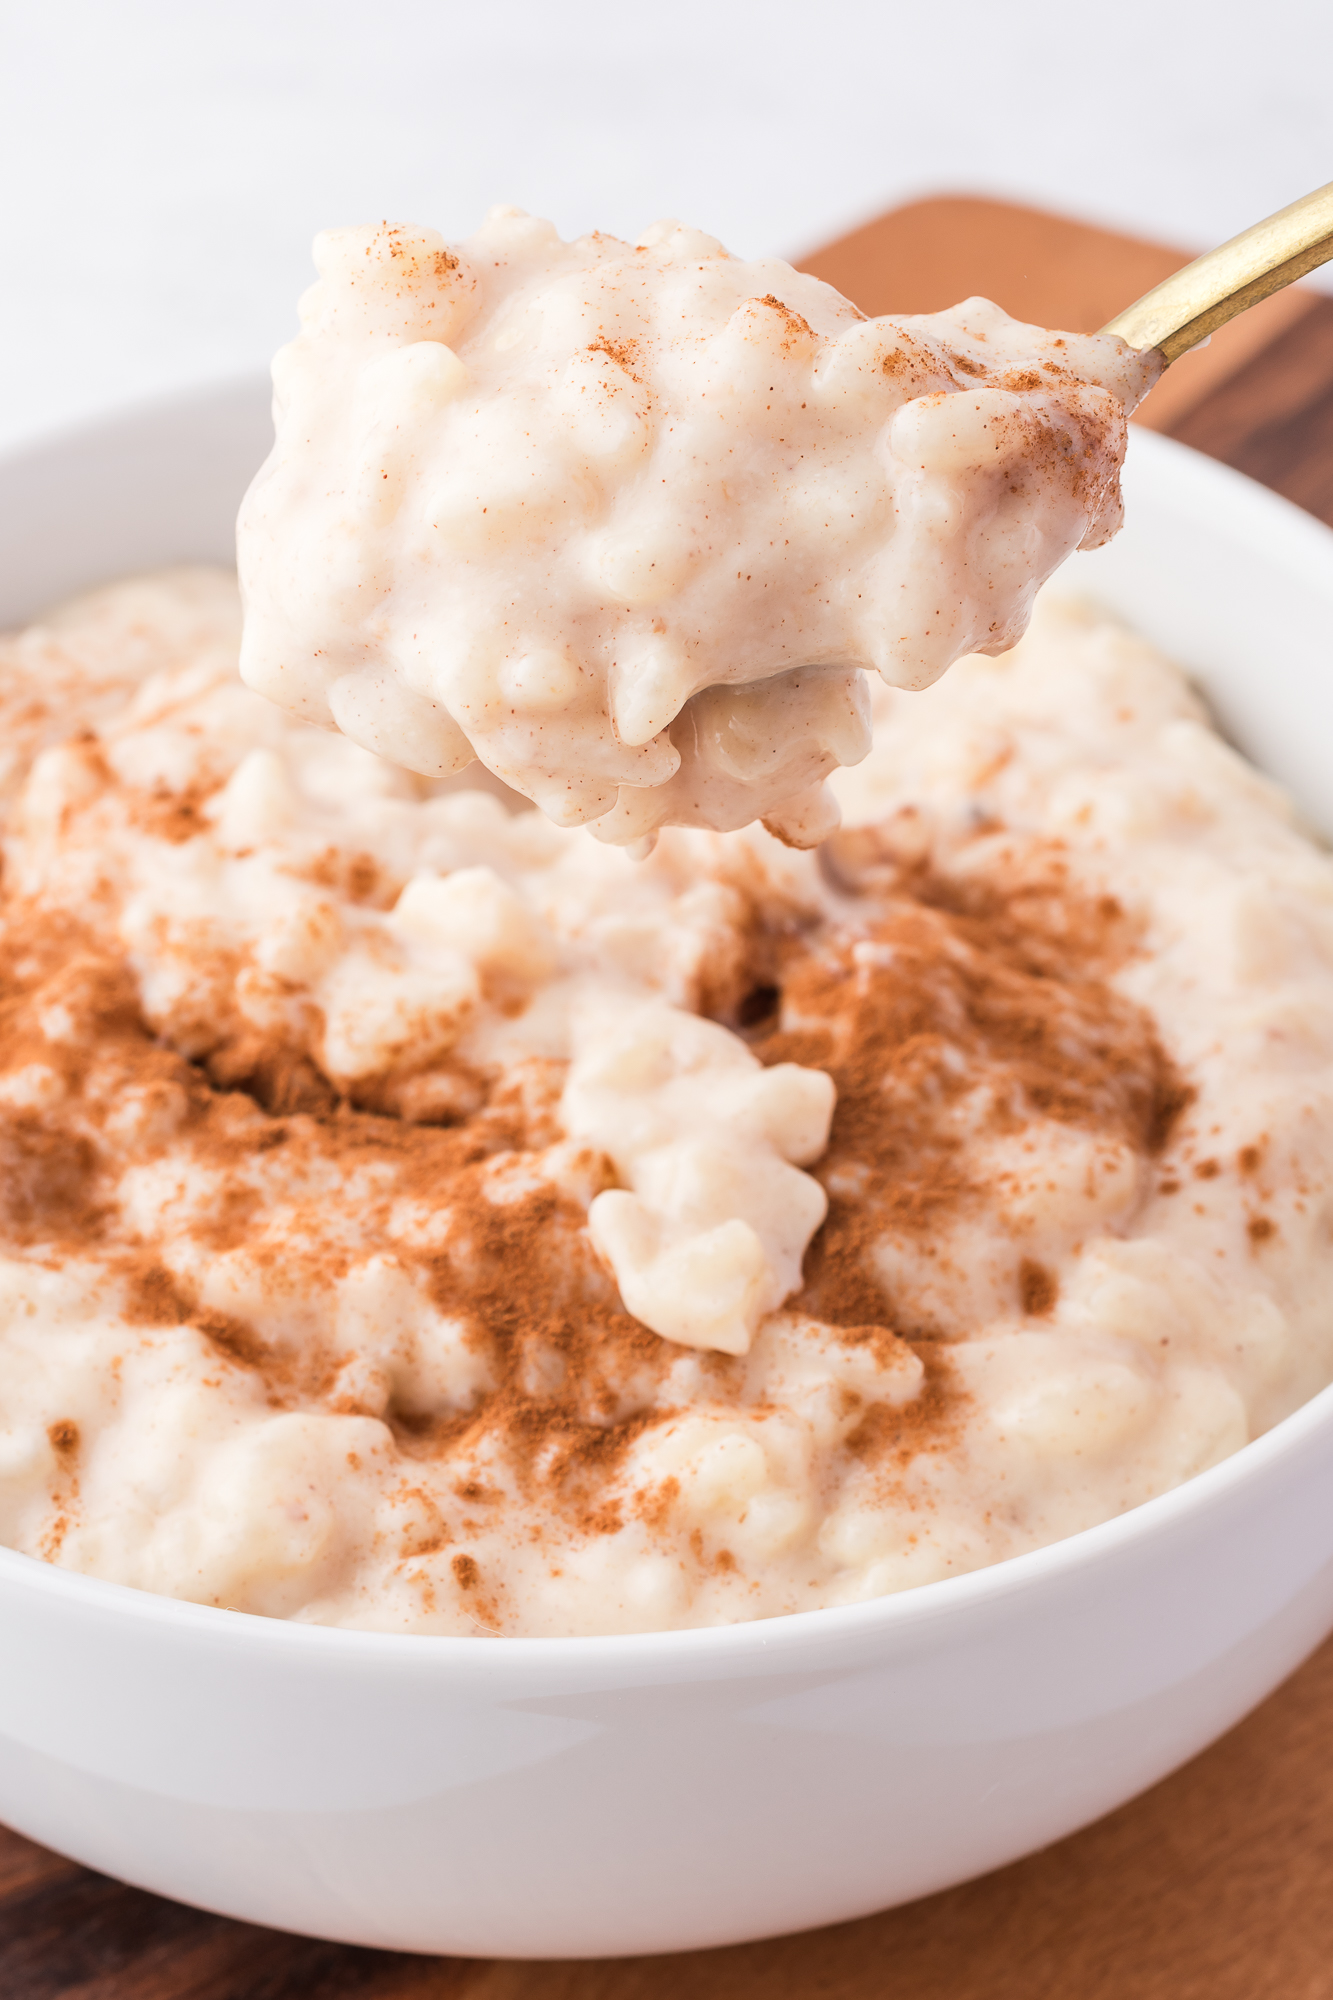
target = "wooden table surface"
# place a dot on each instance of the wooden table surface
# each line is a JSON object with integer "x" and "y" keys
{"x": 1216, "y": 1885}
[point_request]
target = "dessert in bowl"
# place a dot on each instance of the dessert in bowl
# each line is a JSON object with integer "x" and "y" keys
{"x": 415, "y": 1786}
{"x": 423, "y": 1218}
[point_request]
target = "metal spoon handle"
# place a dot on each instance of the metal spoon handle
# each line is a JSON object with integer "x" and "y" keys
{"x": 1186, "y": 307}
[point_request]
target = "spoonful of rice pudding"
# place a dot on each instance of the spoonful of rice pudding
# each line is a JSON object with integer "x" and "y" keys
{"x": 629, "y": 522}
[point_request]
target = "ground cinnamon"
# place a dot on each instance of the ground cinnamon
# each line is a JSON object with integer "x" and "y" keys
{"x": 938, "y": 989}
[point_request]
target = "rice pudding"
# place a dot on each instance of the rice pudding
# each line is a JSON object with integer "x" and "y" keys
{"x": 627, "y": 521}
{"x": 417, "y": 1215}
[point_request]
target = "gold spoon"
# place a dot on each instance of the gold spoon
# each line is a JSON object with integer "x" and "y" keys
{"x": 1186, "y": 307}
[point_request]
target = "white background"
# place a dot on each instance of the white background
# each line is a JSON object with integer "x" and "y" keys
{"x": 164, "y": 163}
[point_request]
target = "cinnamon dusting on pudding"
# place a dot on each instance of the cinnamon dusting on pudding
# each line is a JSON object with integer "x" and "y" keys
{"x": 940, "y": 995}
{"x": 956, "y": 1001}
{"x": 307, "y": 1118}
{"x": 572, "y": 1373}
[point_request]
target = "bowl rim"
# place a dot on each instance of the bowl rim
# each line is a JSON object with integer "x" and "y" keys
{"x": 1288, "y": 533}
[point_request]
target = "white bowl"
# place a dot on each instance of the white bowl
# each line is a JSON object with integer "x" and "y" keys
{"x": 526, "y": 1797}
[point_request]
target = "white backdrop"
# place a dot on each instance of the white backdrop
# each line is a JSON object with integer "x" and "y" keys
{"x": 164, "y": 163}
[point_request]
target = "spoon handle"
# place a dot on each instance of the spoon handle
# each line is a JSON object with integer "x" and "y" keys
{"x": 1186, "y": 307}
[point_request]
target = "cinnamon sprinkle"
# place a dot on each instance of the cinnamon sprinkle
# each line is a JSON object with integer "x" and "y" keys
{"x": 574, "y": 1374}
{"x": 949, "y": 990}
{"x": 944, "y": 989}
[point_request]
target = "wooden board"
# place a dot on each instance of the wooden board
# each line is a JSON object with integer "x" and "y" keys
{"x": 1218, "y": 1884}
